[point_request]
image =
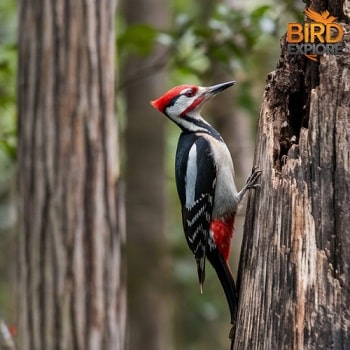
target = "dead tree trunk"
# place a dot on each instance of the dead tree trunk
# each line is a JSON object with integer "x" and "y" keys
{"x": 294, "y": 275}
{"x": 71, "y": 291}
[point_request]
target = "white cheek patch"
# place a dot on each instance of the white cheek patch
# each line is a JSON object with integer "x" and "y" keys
{"x": 179, "y": 106}
{"x": 182, "y": 103}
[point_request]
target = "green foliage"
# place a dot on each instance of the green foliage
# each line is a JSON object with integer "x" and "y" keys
{"x": 8, "y": 69}
{"x": 8, "y": 144}
{"x": 7, "y": 100}
{"x": 227, "y": 35}
{"x": 138, "y": 39}
{"x": 200, "y": 38}
{"x": 7, "y": 74}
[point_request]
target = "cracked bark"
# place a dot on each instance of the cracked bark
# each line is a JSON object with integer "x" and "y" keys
{"x": 71, "y": 221}
{"x": 294, "y": 275}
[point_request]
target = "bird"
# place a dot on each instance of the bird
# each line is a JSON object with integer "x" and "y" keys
{"x": 204, "y": 175}
{"x": 323, "y": 17}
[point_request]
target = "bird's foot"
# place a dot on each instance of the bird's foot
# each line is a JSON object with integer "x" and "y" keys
{"x": 251, "y": 182}
{"x": 253, "y": 178}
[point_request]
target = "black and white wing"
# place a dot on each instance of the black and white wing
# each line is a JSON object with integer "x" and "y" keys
{"x": 196, "y": 194}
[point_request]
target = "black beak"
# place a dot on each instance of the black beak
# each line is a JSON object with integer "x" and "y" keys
{"x": 215, "y": 89}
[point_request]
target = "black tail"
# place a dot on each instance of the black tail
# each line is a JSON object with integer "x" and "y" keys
{"x": 226, "y": 279}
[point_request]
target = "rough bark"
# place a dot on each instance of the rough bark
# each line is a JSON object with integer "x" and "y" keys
{"x": 144, "y": 80}
{"x": 295, "y": 263}
{"x": 70, "y": 207}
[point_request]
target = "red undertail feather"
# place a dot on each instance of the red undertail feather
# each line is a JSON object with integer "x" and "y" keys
{"x": 222, "y": 231}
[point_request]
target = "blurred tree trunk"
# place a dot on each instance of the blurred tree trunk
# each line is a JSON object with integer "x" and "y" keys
{"x": 145, "y": 196}
{"x": 71, "y": 289}
{"x": 295, "y": 262}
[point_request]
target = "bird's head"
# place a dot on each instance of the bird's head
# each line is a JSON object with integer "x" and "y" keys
{"x": 185, "y": 101}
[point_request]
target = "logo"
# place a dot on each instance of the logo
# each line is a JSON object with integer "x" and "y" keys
{"x": 319, "y": 36}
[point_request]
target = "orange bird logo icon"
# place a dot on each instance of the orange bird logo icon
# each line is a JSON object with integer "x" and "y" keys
{"x": 323, "y": 17}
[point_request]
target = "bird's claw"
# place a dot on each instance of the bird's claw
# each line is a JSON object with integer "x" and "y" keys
{"x": 251, "y": 182}
{"x": 253, "y": 187}
{"x": 253, "y": 178}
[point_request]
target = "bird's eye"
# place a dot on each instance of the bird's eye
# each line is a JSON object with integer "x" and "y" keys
{"x": 189, "y": 93}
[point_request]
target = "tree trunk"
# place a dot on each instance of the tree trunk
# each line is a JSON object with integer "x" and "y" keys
{"x": 294, "y": 275}
{"x": 72, "y": 294}
{"x": 145, "y": 79}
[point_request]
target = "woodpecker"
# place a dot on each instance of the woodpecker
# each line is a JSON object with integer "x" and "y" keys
{"x": 205, "y": 183}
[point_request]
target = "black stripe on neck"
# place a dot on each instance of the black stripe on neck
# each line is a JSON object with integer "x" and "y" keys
{"x": 204, "y": 127}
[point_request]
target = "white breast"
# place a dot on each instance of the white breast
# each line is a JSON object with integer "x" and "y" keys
{"x": 226, "y": 195}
